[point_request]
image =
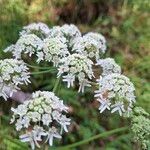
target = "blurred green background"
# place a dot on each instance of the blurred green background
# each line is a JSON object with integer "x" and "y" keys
{"x": 126, "y": 26}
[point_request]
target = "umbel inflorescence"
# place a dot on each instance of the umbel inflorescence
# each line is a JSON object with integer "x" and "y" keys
{"x": 44, "y": 114}
{"x": 75, "y": 57}
{"x": 13, "y": 73}
{"x": 115, "y": 92}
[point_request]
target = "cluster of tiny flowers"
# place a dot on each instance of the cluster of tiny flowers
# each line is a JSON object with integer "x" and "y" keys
{"x": 73, "y": 54}
{"x": 108, "y": 66}
{"x": 140, "y": 127}
{"x": 54, "y": 48}
{"x": 28, "y": 44}
{"x": 100, "y": 39}
{"x": 67, "y": 31}
{"x": 43, "y": 118}
{"x": 40, "y": 29}
{"x": 91, "y": 44}
{"x": 70, "y": 30}
{"x": 12, "y": 74}
{"x": 115, "y": 92}
{"x": 56, "y": 43}
{"x": 79, "y": 66}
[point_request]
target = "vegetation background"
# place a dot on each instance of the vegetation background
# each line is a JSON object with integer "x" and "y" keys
{"x": 126, "y": 26}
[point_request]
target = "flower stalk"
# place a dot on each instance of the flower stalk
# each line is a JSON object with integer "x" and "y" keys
{"x": 101, "y": 135}
{"x": 56, "y": 84}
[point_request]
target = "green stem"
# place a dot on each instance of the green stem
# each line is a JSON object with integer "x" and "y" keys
{"x": 101, "y": 135}
{"x": 37, "y": 67}
{"x": 42, "y": 72}
{"x": 56, "y": 84}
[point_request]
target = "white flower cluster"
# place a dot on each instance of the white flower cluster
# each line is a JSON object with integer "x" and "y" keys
{"x": 115, "y": 92}
{"x": 56, "y": 43}
{"x": 100, "y": 39}
{"x": 42, "y": 116}
{"x": 70, "y": 30}
{"x": 12, "y": 74}
{"x": 73, "y": 55}
{"x": 53, "y": 50}
{"x": 91, "y": 44}
{"x": 108, "y": 66}
{"x": 28, "y": 44}
{"x": 40, "y": 29}
{"x": 79, "y": 66}
{"x": 67, "y": 31}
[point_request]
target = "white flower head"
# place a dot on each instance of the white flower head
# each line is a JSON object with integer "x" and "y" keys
{"x": 54, "y": 49}
{"x": 40, "y": 29}
{"x": 67, "y": 31}
{"x": 117, "y": 92}
{"x": 76, "y": 65}
{"x": 89, "y": 45}
{"x": 100, "y": 39}
{"x": 108, "y": 66}
{"x": 43, "y": 111}
{"x": 70, "y": 31}
{"x": 56, "y": 32}
{"x": 26, "y": 44}
{"x": 12, "y": 74}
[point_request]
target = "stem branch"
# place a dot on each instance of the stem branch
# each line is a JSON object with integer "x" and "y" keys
{"x": 42, "y": 72}
{"x": 101, "y": 135}
{"x": 56, "y": 84}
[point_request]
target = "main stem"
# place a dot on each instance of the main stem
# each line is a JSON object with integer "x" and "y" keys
{"x": 101, "y": 135}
